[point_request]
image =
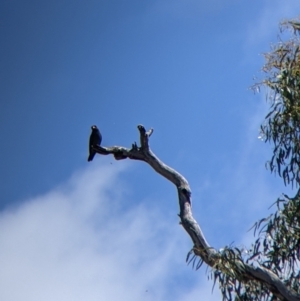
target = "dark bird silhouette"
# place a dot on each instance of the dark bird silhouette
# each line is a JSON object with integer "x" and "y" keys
{"x": 95, "y": 139}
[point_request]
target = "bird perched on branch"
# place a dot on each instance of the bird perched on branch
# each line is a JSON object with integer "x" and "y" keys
{"x": 95, "y": 139}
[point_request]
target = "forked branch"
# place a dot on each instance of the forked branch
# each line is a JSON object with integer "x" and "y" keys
{"x": 201, "y": 247}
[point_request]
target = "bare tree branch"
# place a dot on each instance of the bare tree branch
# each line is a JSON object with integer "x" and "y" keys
{"x": 201, "y": 247}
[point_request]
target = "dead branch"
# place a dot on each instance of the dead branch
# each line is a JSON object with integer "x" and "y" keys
{"x": 201, "y": 247}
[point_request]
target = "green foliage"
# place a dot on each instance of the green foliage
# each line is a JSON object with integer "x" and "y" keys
{"x": 229, "y": 272}
{"x": 277, "y": 247}
{"x": 282, "y": 123}
{"x": 242, "y": 290}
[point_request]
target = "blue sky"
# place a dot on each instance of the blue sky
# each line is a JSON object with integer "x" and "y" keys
{"x": 73, "y": 230}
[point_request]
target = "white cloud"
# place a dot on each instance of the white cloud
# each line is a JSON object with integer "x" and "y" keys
{"x": 79, "y": 242}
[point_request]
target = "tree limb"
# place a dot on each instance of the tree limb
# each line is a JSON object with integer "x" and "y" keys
{"x": 201, "y": 247}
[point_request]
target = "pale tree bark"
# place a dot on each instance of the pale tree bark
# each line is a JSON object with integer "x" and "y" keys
{"x": 201, "y": 247}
